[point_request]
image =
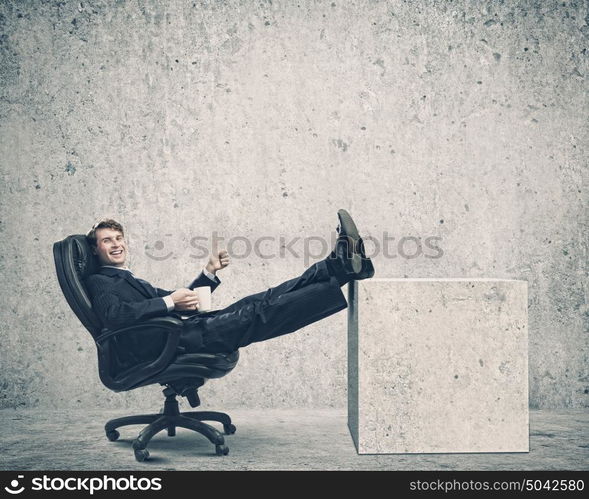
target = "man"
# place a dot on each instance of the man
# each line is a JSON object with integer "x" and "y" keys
{"x": 121, "y": 299}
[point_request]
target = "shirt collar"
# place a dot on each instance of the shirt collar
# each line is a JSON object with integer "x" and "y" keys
{"x": 118, "y": 268}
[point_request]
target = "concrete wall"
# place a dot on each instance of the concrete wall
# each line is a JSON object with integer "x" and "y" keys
{"x": 458, "y": 120}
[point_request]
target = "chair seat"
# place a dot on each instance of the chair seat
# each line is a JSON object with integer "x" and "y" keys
{"x": 225, "y": 361}
{"x": 203, "y": 365}
{"x": 195, "y": 366}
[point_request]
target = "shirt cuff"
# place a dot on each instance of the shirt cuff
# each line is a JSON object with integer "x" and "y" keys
{"x": 169, "y": 302}
{"x": 209, "y": 275}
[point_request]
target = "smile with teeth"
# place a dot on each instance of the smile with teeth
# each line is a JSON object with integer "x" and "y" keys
{"x": 118, "y": 252}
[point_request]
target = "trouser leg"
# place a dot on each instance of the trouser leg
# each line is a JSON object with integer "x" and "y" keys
{"x": 277, "y": 311}
{"x": 315, "y": 273}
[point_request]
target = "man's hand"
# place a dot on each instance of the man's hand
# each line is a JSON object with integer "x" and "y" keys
{"x": 185, "y": 299}
{"x": 217, "y": 261}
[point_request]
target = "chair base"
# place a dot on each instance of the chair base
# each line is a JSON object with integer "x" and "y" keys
{"x": 170, "y": 419}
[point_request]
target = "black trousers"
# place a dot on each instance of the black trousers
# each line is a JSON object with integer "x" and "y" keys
{"x": 279, "y": 310}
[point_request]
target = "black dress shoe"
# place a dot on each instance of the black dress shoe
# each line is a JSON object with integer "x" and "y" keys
{"x": 348, "y": 240}
{"x": 350, "y": 249}
{"x": 339, "y": 262}
{"x": 367, "y": 267}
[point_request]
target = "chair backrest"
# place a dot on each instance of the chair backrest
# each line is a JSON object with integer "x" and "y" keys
{"x": 73, "y": 262}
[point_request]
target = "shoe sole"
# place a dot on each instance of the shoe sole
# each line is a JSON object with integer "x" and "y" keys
{"x": 367, "y": 267}
{"x": 348, "y": 228}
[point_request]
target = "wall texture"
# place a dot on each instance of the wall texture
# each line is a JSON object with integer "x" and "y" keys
{"x": 459, "y": 120}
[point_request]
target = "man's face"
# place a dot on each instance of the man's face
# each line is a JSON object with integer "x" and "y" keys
{"x": 111, "y": 247}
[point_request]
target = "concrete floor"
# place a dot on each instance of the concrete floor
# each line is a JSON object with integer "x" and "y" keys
{"x": 266, "y": 440}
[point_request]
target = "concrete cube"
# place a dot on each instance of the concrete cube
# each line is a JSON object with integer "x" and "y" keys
{"x": 438, "y": 365}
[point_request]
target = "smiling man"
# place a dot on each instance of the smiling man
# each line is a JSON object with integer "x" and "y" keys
{"x": 120, "y": 298}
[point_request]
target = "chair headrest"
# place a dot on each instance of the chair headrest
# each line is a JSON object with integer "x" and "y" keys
{"x": 84, "y": 260}
{"x": 74, "y": 261}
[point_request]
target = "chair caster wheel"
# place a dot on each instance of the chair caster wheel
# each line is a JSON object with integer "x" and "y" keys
{"x": 112, "y": 435}
{"x": 221, "y": 450}
{"x": 141, "y": 454}
{"x": 229, "y": 429}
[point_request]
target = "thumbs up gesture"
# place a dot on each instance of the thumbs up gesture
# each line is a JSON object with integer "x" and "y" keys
{"x": 218, "y": 260}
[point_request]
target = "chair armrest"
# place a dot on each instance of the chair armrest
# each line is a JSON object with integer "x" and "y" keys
{"x": 167, "y": 322}
{"x": 170, "y": 325}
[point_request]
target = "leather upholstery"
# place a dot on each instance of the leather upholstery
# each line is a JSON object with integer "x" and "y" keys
{"x": 73, "y": 262}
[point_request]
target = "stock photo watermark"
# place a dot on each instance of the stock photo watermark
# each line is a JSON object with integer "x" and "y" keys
{"x": 310, "y": 248}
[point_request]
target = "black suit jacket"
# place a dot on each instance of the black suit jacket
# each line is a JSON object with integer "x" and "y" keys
{"x": 120, "y": 299}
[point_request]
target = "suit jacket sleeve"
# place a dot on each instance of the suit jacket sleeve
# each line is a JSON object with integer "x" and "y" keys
{"x": 162, "y": 292}
{"x": 116, "y": 313}
{"x": 203, "y": 280}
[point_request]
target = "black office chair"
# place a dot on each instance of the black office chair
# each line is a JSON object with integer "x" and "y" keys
{"x": 181, "y": 374}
